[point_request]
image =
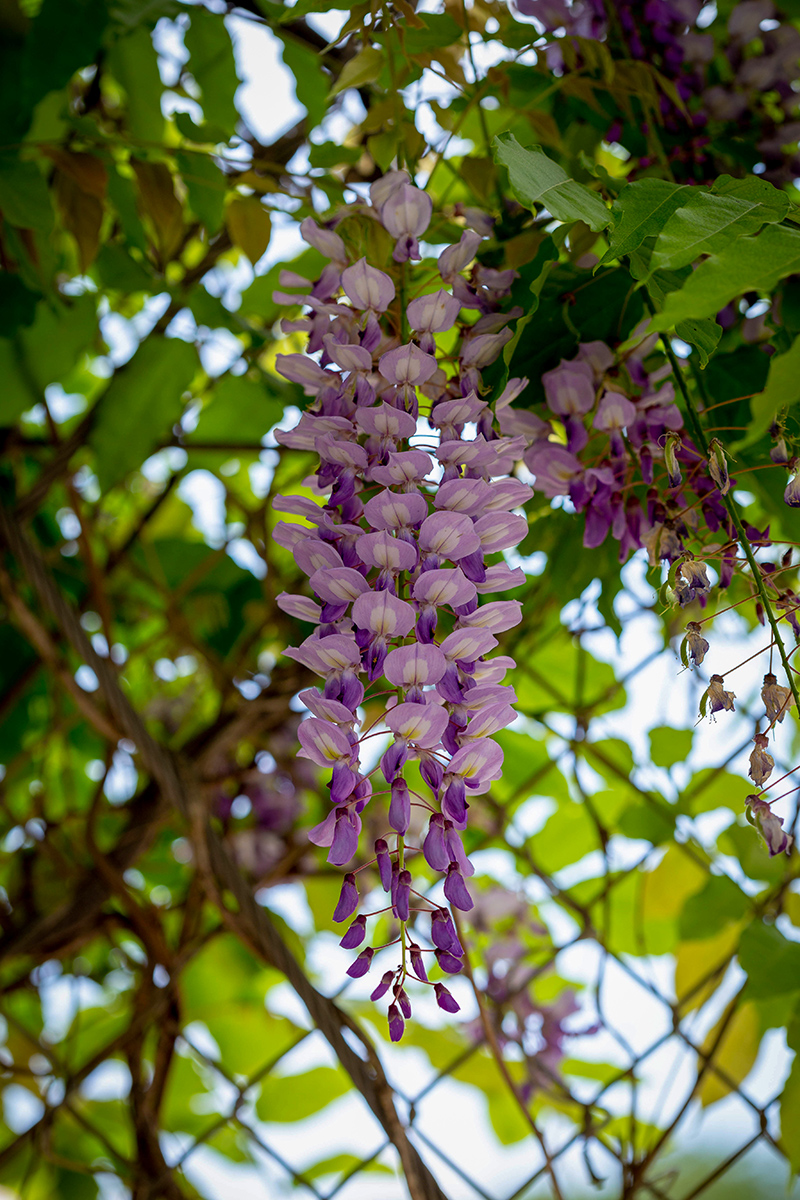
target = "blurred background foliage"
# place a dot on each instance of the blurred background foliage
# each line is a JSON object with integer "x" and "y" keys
{"x": 146, "y": 1030}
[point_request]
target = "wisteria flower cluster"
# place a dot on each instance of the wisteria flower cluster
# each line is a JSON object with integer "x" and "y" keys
{"x": 411, "y": 507}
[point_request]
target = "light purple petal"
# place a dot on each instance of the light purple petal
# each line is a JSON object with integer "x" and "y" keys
{"x": 569, "y": 389}
{"x": 407, "y": 365}
{"x": 322, "y": 742}
{"x": 324, "y": 240}
{"x": 449, "y": 535}
{"x": 396, "y": 510}
{"x": 614, "y": 411}
{"x": 500, "y": 577}
{"x": 326, "y": 710}
{"x": 481, "y": 761}
{"x": 455, "y": 258}
{"x": 463, "y": 496}
{"x": 366, "y": 287}
{"x": 302, "y": 608}
{"x": 312, "y": 554}
{"x": 465, "y": 645}
{"x": 386, "y": 421}
{"x": 387, "y": 552}
{"x": 384, "y": 614}
{"x": 500, "y": 531}
{"x": 349, "y": 358}
{"x": 422, "y": 724}
{"x": 406, "y": 211}
{"x": 414, "y": 666}
{"x": 298, "y": 368}
{"x": 338, "y": 585}
{"x": 406, "y": 466}
{"x": 490, "y": 720}
{"x": 434, "y": 313}
{"x": 497, "y": 616}
{"x": 444, "y": 586}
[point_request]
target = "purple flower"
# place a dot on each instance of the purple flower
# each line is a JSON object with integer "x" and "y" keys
{"x": 768, "y": 825}
{"x": 355, "y": 934}
{"x": 348, "y": 899}
{"x": 396, "y": 1023}
{"x": 383, "y": 986}
{"x": 406, "y": 213}
{"x": 445, "y": 999}
{"x": 367, "y": 287}
{"x": 362, "y": 963}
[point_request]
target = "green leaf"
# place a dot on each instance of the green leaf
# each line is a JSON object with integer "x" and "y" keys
{"x": 289, "y": 1098}
{"x": 205, "y": 184}
{"x": 364, "y": 68}
{"x": 241, "y": 410}
{"x": 64, "y": 37}
{"x": 56, "y": 339}
{"x": 782, "y": 391}
{"x": 311, "y": 83}
{"x": 718, "y": 903}
{"x": 670, "y": 746}
{"x": 139, "y": 407}
{"x": 749, "y": 264}
{"x": 134, "y": 64}
{"x": 212, "y": 63}
{"x": 248, "y": 1036}
{"x": 24, "y": 198}
{"x": 707, "y": 221}
{"x": 771, "y": 961}
{"x": 536, "y": 179}
{"x": 790, "y": 1116}
{"x": 438, "y": 29}
{"x": 641, "y": 210}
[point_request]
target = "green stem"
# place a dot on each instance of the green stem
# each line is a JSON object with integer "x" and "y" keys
{"x": 733, "y": 513}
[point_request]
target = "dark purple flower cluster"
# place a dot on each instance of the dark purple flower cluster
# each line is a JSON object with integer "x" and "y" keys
{"x": 401, "y": 532}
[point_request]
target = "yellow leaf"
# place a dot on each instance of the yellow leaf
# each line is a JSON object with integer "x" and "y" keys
{"x": 665, "y": 890}
{"x": 364, "y": 68}
{"x": 735, "y": 1054}
{"x": 86, "y": 169}
{"x": 81, "y": 215}
{"x": 248, "y": 225}
{"x": 159, "y": 202}
{"x": 695, "y": 961}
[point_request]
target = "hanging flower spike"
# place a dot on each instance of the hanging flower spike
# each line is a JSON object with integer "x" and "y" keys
{"x": 389, "y": 550}
{"x": 768, "y": 825}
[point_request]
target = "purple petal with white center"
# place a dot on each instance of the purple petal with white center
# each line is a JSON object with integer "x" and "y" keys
{"x": 497, "y": 616}
{"x": 326, "y": 710}
{"x": 324, "y": 240}
{"x": 346, "y": 454}
{"x": 406, "y": 211}
{"x": 384, "y": 614}
{"x": 338, "y": 585}
{"x": 457, "y": 412}
{"x": 507, "y": 494}
{"x": 386, "y": 552}
{"x": 422, "y": 724}
{"x": 396, "y": 510}
{"x": 465, "y": 645}
{"x": 480, "y": 762}
{"x": 493, "y": 671}
{"x": 407, "y": 466}
{"x": 434, "y": 313}
{"x": 299, "y": 368}
{"x": 614, "y": 411}
{"x": 481, "y": 350}
{"x": 312, "y": 554}
{"x": 462, "y": 496}
{"x": 500, "y": 578}
{"x": 490, "y": 720}
{"x": 449, "y": 535}
{"x": 444, "y": 586}
{"x": 348, "y": 357}
{"x": 302, "y": 608}
{"x": 301, "y": 506}
{"x": 500, "y": 531}
{"x": 386, "y": 421}
{"x": 455, "y": 258}
{"x": 414, "y": 666}
{"x": 366, "y": 287}
{"x": 407, "y": 365}
{"x": 322, "y": 742}
{"x": 569, "y": 389}
{"x": 381, "y": 189}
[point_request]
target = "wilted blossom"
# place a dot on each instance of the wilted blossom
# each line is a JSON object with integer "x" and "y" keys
{"x": 718, "y": 699}
{"x": 777, "y": 699}
{"x": 761, "y": 763}
{"x": 696, "y": 645}
{"x": 401, "y": 544}
{"x": 768, "y": 825}
{"x": 792, "y": 493}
